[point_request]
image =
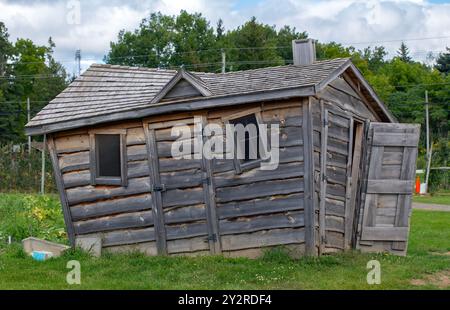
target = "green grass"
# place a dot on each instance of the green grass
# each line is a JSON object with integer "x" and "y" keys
{"x": 441, "y": 198}
{"x": 429, "y": 239}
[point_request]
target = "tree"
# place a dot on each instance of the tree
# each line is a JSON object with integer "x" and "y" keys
{"x": 166, "y": 41}
{"x": 443, "y": 62}
{"x": 220, "y": 29}
{"x": 30, "y": 72}
{"x": 284, "y": 42}
{"x": 403, "y": 53}
{"x": 252, "y": 45}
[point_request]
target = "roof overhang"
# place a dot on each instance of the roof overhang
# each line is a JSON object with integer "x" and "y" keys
{"x": 177, "y": 106}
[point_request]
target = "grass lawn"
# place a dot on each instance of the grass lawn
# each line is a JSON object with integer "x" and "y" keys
{"x": 429, "y": 246}
{"x": 437, "y": 198}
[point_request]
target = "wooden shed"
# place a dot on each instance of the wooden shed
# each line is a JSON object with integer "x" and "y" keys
{"x": 344, "y": 178}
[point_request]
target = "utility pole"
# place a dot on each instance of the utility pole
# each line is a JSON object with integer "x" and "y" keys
{"x": 78, "y": 60}
{"x": 223, "y": 60}
{"x": 28, "y": 118}
{"x": 44, "y": 143}
{"x": 427, "y": 124}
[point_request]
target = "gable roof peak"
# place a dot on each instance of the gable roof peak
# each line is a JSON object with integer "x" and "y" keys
{"x": 196, "y": 82}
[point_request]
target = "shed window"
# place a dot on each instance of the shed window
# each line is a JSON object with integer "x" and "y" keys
{"x": 250, "y": 137}
{"x": 108, "y": 155}
{"x": 108, "y": 159}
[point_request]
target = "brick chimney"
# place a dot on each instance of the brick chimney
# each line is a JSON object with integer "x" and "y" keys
{"x": 304, "y": 51}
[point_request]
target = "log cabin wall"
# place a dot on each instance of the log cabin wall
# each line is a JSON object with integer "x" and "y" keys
{"x": 257, "y": 209}
{"x": 122, "y": 215}
{"x": 253, "y": 209}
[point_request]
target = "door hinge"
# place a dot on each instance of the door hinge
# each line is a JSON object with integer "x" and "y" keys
{"x": 212, "y": 237}
{"x": 159, "y": 187}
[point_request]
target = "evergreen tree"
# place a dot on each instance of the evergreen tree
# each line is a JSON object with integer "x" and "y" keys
{"x": 220, "y": 29}
{"x": 443, "y": 62}
{"x": 403, "y": 53}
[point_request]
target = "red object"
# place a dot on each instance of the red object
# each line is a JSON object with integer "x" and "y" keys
{"x": 417, "y": 185}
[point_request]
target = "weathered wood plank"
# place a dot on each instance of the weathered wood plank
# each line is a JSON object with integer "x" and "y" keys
{"x": 263, "y": 239}
{"x": 272, "y": 221}
{"x": 260, "y": 206}
{"x": 170, "y": 164}
{"x": 121, "y": 221}
{"x": 131, "y": 236}
{"x": 388, "y": 186}
{"x": 136, "y": 152}
{"x": 76, "y": 179}
{"x": 310, "y": 238}
{"x": 72, "y": 142}
{"x": 73, "y": 159}
{"x": 284, "y": 171}
{"x": 261, "y": 189}
{"x": 189, "y": 245}
{"x": 182, "y": 197}
{"x": 186, "y": 230}
{"x": 62, "y": 193}
{"x": 92, "y": 193}
{"x": 157, "y": 201}
{"x": 182, "y": 179}
{"x": 395, "y": 139}
{"x": 385, "y": 233}
{"x": 110, "y": 207}
{"x": 185, "y": 214}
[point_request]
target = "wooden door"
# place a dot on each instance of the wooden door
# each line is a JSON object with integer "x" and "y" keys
{"x": 335, "y": 181}
{"x": 389, "y": 187}
{"x": 181, "y": 189}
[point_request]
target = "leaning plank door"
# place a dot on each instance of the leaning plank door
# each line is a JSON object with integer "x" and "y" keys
{"x": 389, "y": 186}
{"x": 335, "y": 183}
{"x": 181, "y": 188}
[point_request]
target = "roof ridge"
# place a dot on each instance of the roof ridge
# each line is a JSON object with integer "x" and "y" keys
{"x": 99, "y": 65}
{"x": 280, "y": 66}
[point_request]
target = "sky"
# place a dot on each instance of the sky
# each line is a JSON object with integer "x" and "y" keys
{"x": 356, "y": 22}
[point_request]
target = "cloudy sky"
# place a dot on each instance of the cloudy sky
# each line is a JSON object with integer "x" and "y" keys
{"x": 355, "y": 22}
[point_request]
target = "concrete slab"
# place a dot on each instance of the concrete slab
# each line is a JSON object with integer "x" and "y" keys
{"x": 91, "y": 244}
{"x": 35, "y": 244}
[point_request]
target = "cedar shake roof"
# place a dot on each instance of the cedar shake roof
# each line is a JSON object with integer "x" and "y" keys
{"x": 110, "y": 92}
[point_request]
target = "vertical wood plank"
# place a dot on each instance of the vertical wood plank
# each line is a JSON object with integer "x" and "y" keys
{"x": 348, "y": 188}
{"x": 92, "y": 158}
{"x": 310, "y": 241}
{"x": 355, "y": 183}
{"x": 375, "y": 163}
{"x": 323, "y": 176}
{"x": 210, "y": 200}
{"x": 123, "y": 160}
{"x": 404, "y": 201}
{"x": 158, "y": 215}
{"x": 61, "y": 190}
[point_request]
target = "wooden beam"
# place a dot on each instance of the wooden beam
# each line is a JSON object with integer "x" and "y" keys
{"x": 61, "y": 190}
{"x": 310, "y": 240}
{"x": 157, "y": 210}
{"x": 323, "y": 175}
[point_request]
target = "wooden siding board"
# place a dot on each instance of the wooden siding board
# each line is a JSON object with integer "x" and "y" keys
{"x": 61, "y": 190}
{"x": 310, "y": 246}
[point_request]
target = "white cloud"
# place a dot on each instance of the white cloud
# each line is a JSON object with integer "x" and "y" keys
{"x": 342, "y": 21}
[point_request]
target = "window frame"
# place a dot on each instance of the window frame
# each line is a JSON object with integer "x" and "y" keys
{"x": 93, "y": 158}
{"x": 239, "y": 165}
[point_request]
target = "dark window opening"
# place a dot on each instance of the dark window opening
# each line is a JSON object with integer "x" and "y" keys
{"x": 245, "y": 121}
{"x": 108, "y": 155}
